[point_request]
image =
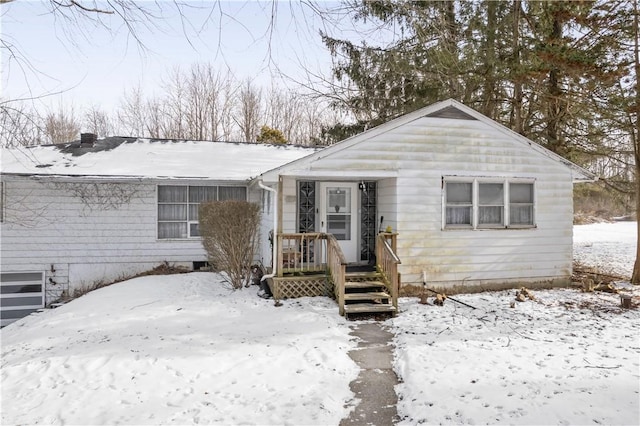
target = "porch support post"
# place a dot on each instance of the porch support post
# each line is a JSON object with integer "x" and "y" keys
{"x": 280, "y": 204}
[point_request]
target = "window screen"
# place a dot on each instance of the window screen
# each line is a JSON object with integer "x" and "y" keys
{"x": 491, "y": 204}
{"x": 521, "y": 204}
{"x": 459, "y": 203}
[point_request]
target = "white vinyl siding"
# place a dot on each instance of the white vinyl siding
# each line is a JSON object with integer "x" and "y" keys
{"x": 486, "y": 203}
{"x": 47, "y": 227}
{"x": 414, "y": 157}
{"x": 1, "y": 202}
{"x": 178, "y": 207}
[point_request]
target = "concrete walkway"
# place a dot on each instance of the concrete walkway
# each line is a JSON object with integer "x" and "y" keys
{"x": 374, "y": 387}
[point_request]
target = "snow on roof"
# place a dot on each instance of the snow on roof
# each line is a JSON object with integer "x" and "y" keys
{"x": 148, "y": 158}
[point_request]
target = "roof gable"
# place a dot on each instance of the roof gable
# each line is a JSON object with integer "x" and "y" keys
{"x": 448, "y": 109}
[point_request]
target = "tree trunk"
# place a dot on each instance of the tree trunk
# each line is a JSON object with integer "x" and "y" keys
{"x": 516, "y": 70}
{"x": 490, "y": 99}
{"x": 554, "y": 106}
{"x": 635, "y": 278}
{"x": 451, "y": 47}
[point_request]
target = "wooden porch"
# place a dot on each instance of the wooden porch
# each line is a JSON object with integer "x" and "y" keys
{"x": 313, "y": 264}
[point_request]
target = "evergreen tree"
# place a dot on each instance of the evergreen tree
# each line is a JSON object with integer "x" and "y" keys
{"x": 269, "y": 135}
{"x": 399, "y": 75}
{"x": 527, "y": 64}
{"x": 562, "y": 73}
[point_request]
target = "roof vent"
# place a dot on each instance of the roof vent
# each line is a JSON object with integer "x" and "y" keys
{"x": 87, "y": 140}
{"x": 451, "y": 112}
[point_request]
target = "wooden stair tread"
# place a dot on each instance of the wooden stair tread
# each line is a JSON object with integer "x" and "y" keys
{"x": 373, "y": 274}
{"x": 367, "y": 296}
{"x": 363, "y": 308}
{"x": 363, "y": 284}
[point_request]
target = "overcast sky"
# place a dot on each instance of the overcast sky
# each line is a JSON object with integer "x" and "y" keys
{"x": 92, "y": 66}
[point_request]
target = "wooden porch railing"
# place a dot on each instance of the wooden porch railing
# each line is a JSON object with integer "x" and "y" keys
{"x": 387, "y": 262}
{"x": 309, "y": 253}
{"x": 337, "y": 265}
{"x": 301, "y": 253}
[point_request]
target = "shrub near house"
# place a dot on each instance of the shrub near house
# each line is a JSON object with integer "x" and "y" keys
{"x": 229, "y": 231}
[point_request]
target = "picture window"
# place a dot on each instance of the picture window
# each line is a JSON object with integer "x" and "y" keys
{"x": 178, "y": 207}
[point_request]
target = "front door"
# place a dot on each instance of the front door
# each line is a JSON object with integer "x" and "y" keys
{"x": 339, "y": 215}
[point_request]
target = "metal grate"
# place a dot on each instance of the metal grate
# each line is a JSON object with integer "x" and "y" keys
{"x": 307, "y": 214}
{"x": 21, "y": 294}
{"x": 367, "y": 221}
{"x": 306, "y": 206}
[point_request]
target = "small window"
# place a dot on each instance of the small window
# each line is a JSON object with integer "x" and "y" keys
{"x": 521, "y": 204}
{"x": 459, "y": 203}
{"x": 172, "y": 211}
{"x": 490, "y": 204}
{"x": 232, "y": 193}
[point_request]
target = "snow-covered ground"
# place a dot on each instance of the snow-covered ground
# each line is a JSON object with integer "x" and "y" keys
{"x": 566, "y": 358}
{"x": 610, "y": 247}
{"x": 178, "y": 349}
{"x": 182, "y": 349}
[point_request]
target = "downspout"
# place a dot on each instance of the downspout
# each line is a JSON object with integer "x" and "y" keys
{"x": 275, "y": 230}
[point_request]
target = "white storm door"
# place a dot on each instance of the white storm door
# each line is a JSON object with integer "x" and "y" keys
{"x": 339, "y": 215}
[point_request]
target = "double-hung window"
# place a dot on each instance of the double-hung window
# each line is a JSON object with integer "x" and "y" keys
{"x": 485, "y": 203}
{"x": 459, "y": 203}
{"x": 521, "y": 204}
{"x": 490, "y": 205}
{"x": 178, "y": 207}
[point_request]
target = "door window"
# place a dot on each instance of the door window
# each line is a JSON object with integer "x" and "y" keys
{"x": 339, "y": 212}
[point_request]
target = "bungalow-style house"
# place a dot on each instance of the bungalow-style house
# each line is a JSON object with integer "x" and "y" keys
{"x": 95, "y": 211}
{"x": 442, "y": 196}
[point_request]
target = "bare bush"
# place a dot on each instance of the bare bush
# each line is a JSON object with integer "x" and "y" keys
{"x": 229, "y": 231}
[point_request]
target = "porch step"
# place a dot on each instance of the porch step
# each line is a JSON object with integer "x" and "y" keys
{"x": 368, "y": 308}
{"x": 366, "y": 294}
{"x": 378, "y": 295}
{"x": 359, "y": 285}
{"x": 359, "y": 276}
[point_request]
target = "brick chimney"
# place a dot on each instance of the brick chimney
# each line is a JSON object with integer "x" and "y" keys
{"x": 87, "y": 140}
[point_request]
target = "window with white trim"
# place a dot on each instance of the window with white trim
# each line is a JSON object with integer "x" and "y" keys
{"x": 486, "y": 203}
{"x": 178, "y": 207}
{"x": 490, "y": 204}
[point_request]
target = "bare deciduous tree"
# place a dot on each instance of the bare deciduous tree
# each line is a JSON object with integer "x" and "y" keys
{"x": 208, "y": 101}
{"x": 249, "y": 111}
{"x": 61, "y": 126}
{"x": 19, "y": 125}
{"x": 196, "y": 104}
{"x": 98, "y": 122}
{"x": 299, "y": 116}
{"x": 132, "y": 113}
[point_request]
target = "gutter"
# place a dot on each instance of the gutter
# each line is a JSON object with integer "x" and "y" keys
{"x": 275, "y": 230}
